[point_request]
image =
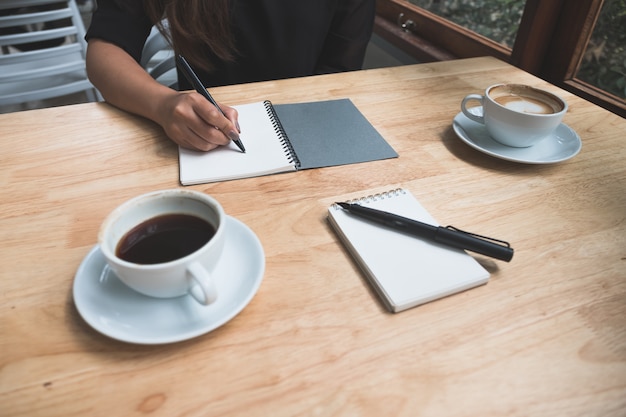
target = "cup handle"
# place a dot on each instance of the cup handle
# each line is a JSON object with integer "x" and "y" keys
{"x": 202, "y": 288}
{"x": 469, "y": 114}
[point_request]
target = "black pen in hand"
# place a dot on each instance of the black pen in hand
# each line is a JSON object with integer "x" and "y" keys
{"x": 444, "y": 235}
{"x": 197, "y": 85}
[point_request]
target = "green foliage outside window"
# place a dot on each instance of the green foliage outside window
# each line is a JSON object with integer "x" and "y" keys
{"x": 604, "y": 63}
{"x": 496, "y": 19}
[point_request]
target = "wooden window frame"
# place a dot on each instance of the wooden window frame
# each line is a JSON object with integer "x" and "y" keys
{"x": 550, "y": 43}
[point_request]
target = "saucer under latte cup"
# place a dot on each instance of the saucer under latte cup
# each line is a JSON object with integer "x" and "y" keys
{"x": 517, "y": 115}
{"x": 166, "y": 244}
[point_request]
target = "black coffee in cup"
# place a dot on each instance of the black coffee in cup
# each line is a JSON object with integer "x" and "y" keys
{"x": 164, "y": 238}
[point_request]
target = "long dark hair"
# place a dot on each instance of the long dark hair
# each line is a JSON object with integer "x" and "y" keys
{"x": 194, "y": 26}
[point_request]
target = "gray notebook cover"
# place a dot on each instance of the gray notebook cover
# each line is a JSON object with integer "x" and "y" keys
{"x": 329, "y": 133}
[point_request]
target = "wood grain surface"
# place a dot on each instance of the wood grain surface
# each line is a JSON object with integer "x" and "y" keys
{"x": 545, "y": 337}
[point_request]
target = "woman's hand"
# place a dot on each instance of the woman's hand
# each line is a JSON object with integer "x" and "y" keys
{"x": 193, "y": 122}
{"x": 188, "y": 119}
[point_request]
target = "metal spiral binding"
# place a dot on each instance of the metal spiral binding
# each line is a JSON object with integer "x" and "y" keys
{"x": 374, "y": 197}
{"x": 282, "y": 135}
{"x": 378, "y": 196}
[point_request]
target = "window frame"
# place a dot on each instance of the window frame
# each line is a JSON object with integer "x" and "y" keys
{"x": 550, "y": 43}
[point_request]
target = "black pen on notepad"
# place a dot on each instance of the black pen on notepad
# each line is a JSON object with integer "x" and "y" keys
{"x": 199, "y": 87}
{"x": 448, "y": 235}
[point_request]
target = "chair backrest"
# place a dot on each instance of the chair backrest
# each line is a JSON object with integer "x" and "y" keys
{"x": 157, "y": 58}
{"x": 43, "y": 51}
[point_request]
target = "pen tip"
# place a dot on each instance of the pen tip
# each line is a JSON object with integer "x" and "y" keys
{"x": 240, "y": 145}
{"x": 343, "y": 205}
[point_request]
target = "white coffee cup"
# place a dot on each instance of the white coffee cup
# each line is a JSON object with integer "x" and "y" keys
{"x": 188, "y": 274}
{"x": 517, "y": 115}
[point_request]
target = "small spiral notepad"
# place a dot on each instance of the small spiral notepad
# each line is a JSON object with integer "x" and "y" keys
{"x": 288, "y": 137}
{"x": 404, "y": 270}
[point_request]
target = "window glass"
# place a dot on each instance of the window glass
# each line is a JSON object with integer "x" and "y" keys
{"x": 498, "y": 20}
{"x": 604, "y": 61}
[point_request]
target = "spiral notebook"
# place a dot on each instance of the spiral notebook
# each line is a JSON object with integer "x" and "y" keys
{"x": 288, "y": 137}
{"x": 404, "y": 270}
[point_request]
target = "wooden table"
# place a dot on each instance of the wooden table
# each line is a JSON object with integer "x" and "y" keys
{"x": 545, "y": 337}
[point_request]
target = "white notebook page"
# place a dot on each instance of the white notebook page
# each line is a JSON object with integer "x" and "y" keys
{"x": 264, "y": 152}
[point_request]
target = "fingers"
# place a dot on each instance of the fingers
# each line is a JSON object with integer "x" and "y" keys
{"x": 225, "y": 122}
{"x": 232, "y": 115}
{"x": 193, "y": 122}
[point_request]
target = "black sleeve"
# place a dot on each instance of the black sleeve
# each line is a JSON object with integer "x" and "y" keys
{"x": 126, "y": 26}
{"x": 350, "y": 32}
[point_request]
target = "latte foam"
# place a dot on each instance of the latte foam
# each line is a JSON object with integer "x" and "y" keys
{"x": 525, "y": 105}
{"x": 525, "y": 99}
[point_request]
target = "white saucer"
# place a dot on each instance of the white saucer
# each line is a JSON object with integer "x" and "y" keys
{"x": 562, "y": 145}
{"x": 113, "y": 309}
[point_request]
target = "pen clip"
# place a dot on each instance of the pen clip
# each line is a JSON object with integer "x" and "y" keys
{"x": 489, "y": 239}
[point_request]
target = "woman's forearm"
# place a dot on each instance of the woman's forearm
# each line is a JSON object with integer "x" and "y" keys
{"x": 123, "y": 82}
{"x": 187, "y": 118}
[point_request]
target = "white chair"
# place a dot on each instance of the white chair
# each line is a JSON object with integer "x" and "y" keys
{"x": 31, "y": 70}
{"x": 157, "y": 58}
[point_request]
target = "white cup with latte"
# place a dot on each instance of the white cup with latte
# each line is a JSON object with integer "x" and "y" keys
{"x": 517, "y": 115}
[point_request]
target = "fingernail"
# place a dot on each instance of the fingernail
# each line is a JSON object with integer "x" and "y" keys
{"x": 232, "y": 135}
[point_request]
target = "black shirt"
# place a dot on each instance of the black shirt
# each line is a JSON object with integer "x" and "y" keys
{"x": 274, "y": 38}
